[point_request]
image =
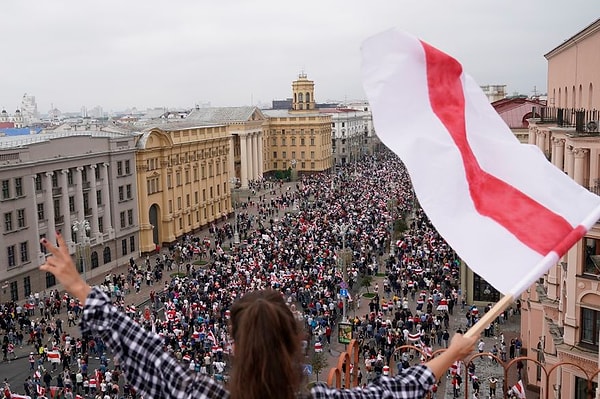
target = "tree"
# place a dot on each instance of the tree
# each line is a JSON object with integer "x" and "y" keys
{"x": 366, "y": 282}
{"x": 318, "y": 363}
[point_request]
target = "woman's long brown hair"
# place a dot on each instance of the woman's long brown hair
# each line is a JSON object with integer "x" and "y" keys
{"x": 267, "y": 356}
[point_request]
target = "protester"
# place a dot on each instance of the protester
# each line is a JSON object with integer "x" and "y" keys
{"x": 261, "y": 323}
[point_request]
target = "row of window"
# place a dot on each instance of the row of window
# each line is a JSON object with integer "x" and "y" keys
{"x": 10, "y": 226}
{"x": 14, "y": 190}
{"x": 284, "y": 165}
{"x": 39, "y": 178}
{"x": 302, "y": 155}
{"x": 125, "y": 192}
{"x": 123, "y": 168}
{"x": 15, "y": 258}
{"x": 126, "y": 218}
{"x": 284, "y": 141}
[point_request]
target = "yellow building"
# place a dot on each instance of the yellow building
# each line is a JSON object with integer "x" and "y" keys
{"x": 183, "y": 173}
{"x": 299, "y": 138}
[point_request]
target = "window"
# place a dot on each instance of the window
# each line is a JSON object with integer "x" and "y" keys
{"x": 274, "y": 154}
{"x": 86, "y": 203}
{"x": 178, "y": 178}
{"x": 38, "y": 182}
{"x": 84, "y": 174}
{"x": 122, "y": 219}
{"x": 57, "y": 208}
{"x": 97, "y": 172}
{"x": 14, "y": 291}
{"x": 130, "y": 217}
{"x": 293, "y": 141}
{"x": 127, "y": 168}
{"x": 50, "y": 280}
{"x": 99, "y": 197}
{"x": 187, "y": 200}
{"x": 312, "y": 141}
{"x": 302, "y": 155}
{"x": 42, "y": 248}
{"x": 40, "y": 211}
{"x": 101, "y": 224}
{"x": 24, "y": 249}
{"x": 70, "y": 177}
{"x": 124, "y": 246}
{"x": 71, "y": 204}
{"x": 482, "y": 291}
{"x": 283, "y": 141}
{"x": 132, "y": 244}
{"x": 170, "y": 206}
{"x": 581, "y": 391}
{"x": 284, "y": 154}
{"x": 106, "y": 255}
{"x": 128, "y": 190}
{"x": 592, "y": 256}
{"x": 19, "y": 187}
{"x": 5, "y": 189}
{"x": 121, "y": 193}
{"x": 11, "y": 256}
{"x": 179, "y": 203}
{"x": 302, "y": 141}
{"x": 590, "y": 326}
{"x": 187, "y": 177}
{"x": 21, "y": 218}
{"x": 8, "y": 222}
{"x": 27, "y": 286}
{"x": 94, "y": 260}
{"x": 312, "y": 155}
{"x": 203, "y": 171}
{"x": 293, "y": 154}
{"x": 119, "y": 168}
{"x": 169, "y": 182}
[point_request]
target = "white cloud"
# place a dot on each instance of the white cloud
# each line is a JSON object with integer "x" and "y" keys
{"x": 148, "y": 53}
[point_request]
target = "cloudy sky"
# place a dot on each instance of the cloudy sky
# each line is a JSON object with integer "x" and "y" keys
{"x": 147, "y": 53}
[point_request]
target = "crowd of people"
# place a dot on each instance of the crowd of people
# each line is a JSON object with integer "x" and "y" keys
{"x": 292, "y": 240}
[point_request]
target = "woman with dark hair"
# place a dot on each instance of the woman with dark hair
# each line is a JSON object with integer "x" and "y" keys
{"x": 267, "y": 347}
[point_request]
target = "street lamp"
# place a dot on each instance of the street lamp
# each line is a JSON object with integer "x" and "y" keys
{"x": 83, "y": 245}
{"x": 345, "y": 254}
{"x": 236, "y": 235}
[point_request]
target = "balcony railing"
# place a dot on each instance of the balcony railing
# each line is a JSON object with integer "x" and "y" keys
{"x": 585, "y": 121}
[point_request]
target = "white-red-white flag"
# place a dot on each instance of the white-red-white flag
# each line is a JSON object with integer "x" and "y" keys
{"x": 54, "y": 356}
{"x": 508, "y": 212}
{"x": 519, "y": 390}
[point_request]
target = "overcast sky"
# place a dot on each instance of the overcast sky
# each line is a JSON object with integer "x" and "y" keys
{"x": 147, "y": 53}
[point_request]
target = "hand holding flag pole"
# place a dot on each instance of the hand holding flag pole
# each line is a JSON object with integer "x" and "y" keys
{"x": 506, "y": 211}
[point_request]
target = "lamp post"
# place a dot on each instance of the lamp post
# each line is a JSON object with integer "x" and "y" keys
{"x": 236, "y": 235}
{"x": 83, "y": 245}
{"x": 344, "y": 255}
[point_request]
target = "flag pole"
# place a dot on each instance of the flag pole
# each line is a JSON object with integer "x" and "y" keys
{"x": 490, "y": 316}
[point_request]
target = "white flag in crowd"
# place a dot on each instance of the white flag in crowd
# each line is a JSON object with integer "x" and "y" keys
{"x": 508, "y": 212}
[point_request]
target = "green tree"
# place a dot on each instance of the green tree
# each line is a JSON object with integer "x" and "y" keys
{"x": 318, "y": 363}
{"x": 366, "y": 282}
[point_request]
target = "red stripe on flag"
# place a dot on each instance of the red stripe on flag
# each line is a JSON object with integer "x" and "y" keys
{"x": 533, "y": 224}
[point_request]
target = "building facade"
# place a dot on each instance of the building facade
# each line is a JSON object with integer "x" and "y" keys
{"x": 49, "y": 184}
{"x": 184, "y": 177}
{"x": 561, "y": 314}
{"x": 299, "y": 139}
{"x": 350, "y": 129}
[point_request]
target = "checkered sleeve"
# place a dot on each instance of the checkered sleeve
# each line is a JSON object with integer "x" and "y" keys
{"x": 152, "y": 371}
{"x": 411, "y": 383}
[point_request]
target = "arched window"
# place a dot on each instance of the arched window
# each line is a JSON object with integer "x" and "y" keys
{"x": 580, "y": 97}
{"x": 307, "y": 97}
{"x": 300, "y": 97}
{"x": 50, "y": 280}
{"x": 566, "y": 103}
{"x": 107, "y": 256}
{"x": 590, "y": 96}
{"x": 94, "y": 259}
{"x": 295, "y": 97}
{"x": 573, "y": 105}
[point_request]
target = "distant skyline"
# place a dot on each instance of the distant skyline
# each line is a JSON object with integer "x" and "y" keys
{"x": 147, "y": 54}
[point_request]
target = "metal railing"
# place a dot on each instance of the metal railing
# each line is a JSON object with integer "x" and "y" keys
{"x": 342, "y": 375}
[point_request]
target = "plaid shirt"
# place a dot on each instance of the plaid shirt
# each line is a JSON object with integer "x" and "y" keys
{"x": 157, "y": 374}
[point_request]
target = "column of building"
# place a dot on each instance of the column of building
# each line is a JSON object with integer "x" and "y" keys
{"x": 49, "y": 205}
{"x": 580, "y": 155}
{"x": 569, "y": 159}
{"x": 260, "y": 154}
{"x": 79, "y": 205}
{"x": 594, "y": 182}
{"x": 231, "y": 157}
{"x": 244, "y": 161}
{"x": 107, "y": 220}
{"x": 254, "y": 156}
{"x": 95, "y": 232}
{"x": 558, "y": 153}
{"x": 64, "y": 206}
{"x": 165, "y": 230}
